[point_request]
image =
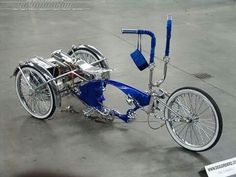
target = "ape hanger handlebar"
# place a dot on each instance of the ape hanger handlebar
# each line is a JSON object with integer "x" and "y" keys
{"x": 152, "y": 51}
{"x": 153, "y": 38}
{"x": 144, "y": 32}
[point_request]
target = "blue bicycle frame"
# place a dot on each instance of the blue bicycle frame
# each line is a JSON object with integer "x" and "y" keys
{"x": 91, "y": 92}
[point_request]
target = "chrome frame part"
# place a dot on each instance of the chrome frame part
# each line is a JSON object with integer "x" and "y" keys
{"x": 25, "y": 77}
{"x": 94, "y": 50}
{"x": 152, "y": 84}
{"x": 80, "y": 69}
{"x": 61, "y": 76}
{"x": 155, "y": 95}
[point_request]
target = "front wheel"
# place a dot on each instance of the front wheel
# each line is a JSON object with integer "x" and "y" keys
{"x": 200, "y": 126}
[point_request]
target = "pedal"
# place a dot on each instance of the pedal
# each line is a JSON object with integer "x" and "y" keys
{"x": 107, "y": 119}
{"x": 88, "y": 112}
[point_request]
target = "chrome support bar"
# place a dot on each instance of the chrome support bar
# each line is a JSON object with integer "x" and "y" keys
{"x": 176, "y": 113}
{"x": 166, "y": 61}
{"x": 25, "y": 77}
{"x": 98, "y": 61}
{"x": 58, "y": 77}
{"x": 150, "y": 85}
{"x": 61, "y": 55}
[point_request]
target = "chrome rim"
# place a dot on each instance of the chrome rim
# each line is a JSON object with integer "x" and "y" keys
{"x": 198, "y": 128}
{"x": 86, "y": 56}
{"x": 38, "y": 102}
{"x": 91, "y": 58}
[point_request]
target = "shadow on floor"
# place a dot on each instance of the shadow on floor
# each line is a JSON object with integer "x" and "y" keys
{"x": 46, "y": 173}
{"x": 199, "y": 157}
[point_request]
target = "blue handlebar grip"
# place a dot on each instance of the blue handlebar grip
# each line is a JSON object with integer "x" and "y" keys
{"x": 129, "y": 31}
{"x": 144, "y": 32}
{"x": 153, "y": 43}
{"x": 168, "y": 35}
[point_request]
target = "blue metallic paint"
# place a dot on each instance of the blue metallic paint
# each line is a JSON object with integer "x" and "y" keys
{"x": 141, "y": 97}
{"x": 92, "y": 94}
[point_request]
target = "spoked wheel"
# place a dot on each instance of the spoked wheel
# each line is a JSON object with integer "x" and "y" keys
{"x": 200, "y": 126}
{"x": 36, "y": 99}
{"x": 90, "y": 57}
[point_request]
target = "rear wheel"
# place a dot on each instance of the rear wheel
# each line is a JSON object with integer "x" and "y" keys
{"x": 200, "y": 126}
{"x": 90, "y": 57}
{"x": 37, "y": 101}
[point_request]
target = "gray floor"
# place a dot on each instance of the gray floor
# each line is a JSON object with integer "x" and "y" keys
{"x": 204, "y": 41}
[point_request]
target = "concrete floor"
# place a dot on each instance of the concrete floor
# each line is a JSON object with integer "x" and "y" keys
{"x": 204, "y": 40}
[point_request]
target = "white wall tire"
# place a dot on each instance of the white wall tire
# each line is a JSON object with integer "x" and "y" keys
{"x": 204, "y": 128}
{"x": 38, "y": 103}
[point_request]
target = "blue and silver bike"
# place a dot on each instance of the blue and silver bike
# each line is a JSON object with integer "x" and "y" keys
{"x": 191, "y": 116}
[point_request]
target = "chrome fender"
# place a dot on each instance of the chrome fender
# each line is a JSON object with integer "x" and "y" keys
{"x": 47, "y": 76}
